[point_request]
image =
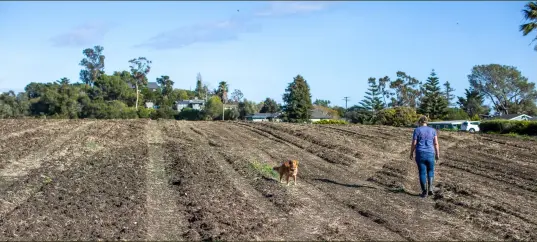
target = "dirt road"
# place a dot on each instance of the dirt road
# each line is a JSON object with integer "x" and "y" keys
{"x": 173, "y": 180}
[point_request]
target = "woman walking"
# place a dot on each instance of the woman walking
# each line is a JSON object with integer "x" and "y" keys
{"x": 425, "y": 144}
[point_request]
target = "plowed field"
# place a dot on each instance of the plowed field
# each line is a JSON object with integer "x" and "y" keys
{"x": 173, "y": 180}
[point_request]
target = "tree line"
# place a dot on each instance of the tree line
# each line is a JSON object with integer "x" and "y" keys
{"x": 124, "y": 93}
{"x": 508, "y": 91}
{"x": 394, "y": 102}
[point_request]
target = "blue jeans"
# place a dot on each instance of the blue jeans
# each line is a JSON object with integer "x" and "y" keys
{"x": 425, "y": 162}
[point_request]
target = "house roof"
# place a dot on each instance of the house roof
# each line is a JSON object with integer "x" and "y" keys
{"x": 317, "y": 114}
{"x": 511, "y": 116}
{"x": 193, "y": 101}
{"x": 150, "y": 85}
{"x": 533, "y": 119}
{"x": 448, "y": 122}
{"x": 263, "y": 115}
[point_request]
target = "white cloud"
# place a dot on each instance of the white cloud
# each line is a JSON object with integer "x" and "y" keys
{"x": 230, "y": 29}
{"x": 291, "y": 8}
{"x": 82, "y": 35}
{"x": 217, "y": 31}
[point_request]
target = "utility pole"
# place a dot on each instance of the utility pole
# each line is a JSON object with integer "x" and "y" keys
{"x": 346, "y": 100}
{"x": 223, "y": 111}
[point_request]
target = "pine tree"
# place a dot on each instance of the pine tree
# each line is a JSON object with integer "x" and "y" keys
{"x": 472, "y": 103}
{"x": 448, "y": 92}
{"x": 433, "y": 103}
{"x": 373, "y": 99}
{"x": 297, "y": 99}
{"x": 270, "y": 106}
{"x": 200, "y": 89}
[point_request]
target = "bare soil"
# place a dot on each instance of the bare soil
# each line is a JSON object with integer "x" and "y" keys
{"x": 176, "y": 180}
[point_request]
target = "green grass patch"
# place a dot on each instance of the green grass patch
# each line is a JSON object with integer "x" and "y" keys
{"x": 46, "y": 179}
{"x": 92, "y": 145}
{"x": 263, "y": 169}
{"x": 514, "y": 135}
{"x": 330, "y": 121}
{"x": 521, "y": 136}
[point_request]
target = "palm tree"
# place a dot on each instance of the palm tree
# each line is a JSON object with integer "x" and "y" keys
{"x": 530, "y": 14}
{"x": 222, "y": 91}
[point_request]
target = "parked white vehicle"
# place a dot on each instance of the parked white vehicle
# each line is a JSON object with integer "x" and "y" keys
{"x": 470, "y": 126}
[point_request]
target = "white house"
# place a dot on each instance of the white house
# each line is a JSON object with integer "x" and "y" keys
{"x": 195, "y": 103}
{"x": 264, "y": 117}
{"x": 318, "y": 115}
{"x": 149, "y": 105}
{"x": 515, "y": 117}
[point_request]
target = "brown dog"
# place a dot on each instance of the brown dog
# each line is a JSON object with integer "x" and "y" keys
{"x": 287, "y": 168}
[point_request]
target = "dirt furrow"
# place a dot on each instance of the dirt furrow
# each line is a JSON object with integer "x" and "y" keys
{"x": 384, "y": 220}
{"x": 461, "y": 199}
{"x": 16, "y": 148}
{"x": 322, "y": 152}
{"x": 98, "y": 196}
{"x": 464, "y": 165}
{"x": 315, "y": 140}
{"x": 511, "y": 143}
{"x": 348, "y": 199}
{"x": 164, "y": 220}
{"x": 36, "y": 127}
{"x": 218, "y": 204}
{"x": 22, "y": 166}
{"x": 33, "y": 176}
{"x": 15, "y": 127}
{"x": 326, "y": 220}
{"x": 179, "y": 180}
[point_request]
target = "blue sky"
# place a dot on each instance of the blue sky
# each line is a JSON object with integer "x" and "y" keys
{"x": 258, "y": 47}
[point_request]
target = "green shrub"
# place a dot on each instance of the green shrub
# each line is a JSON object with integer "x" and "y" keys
{"x": 405, "y": 117}
{"x": 398, "y": 116}
{"x": 359, "y": 115}
{"x": 475, "y": 118}
{"x": 455, "y": 114}
{"x": 330, "y": 121}
{"x": 231, "y": 114}
{"x": 129, "y": 113}
{"x": 117, "y": 110}
{"x": 385, "y": 116}
{"x": 144, "y": 112}
{"x": 164, "y": 112}
{"x": 509, "y": 126}
{"x": 190, "y": 114}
